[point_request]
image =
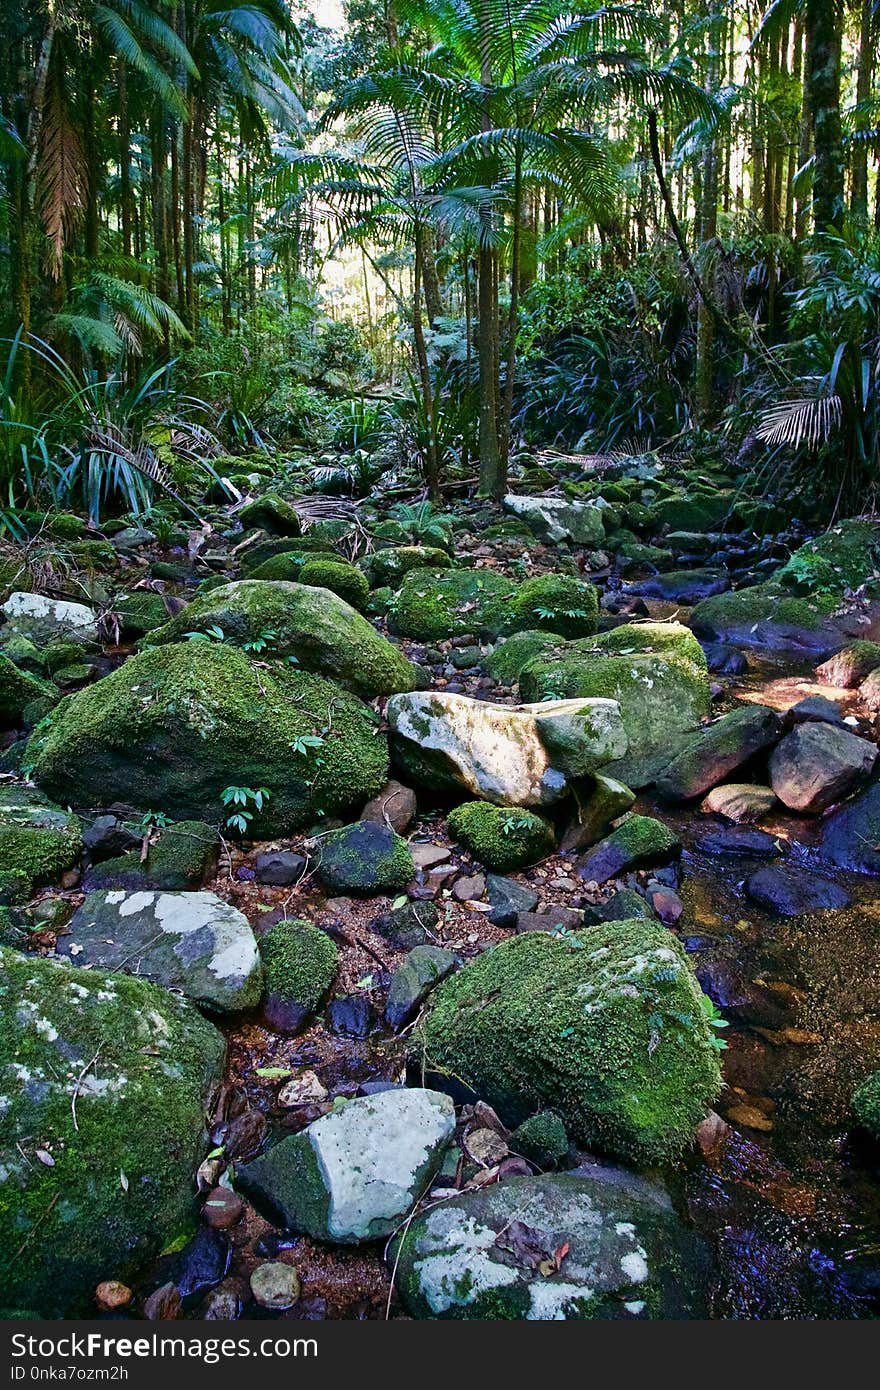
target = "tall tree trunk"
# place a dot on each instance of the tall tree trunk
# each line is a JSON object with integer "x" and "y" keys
{"x": 864, "y": 76}
{"x": 822, "y": 70}
{"x": 493, "y": 468}
{"x": 124, "y": 135}
{"x": 708, "y": 219}
{"x": 432, "y": 470}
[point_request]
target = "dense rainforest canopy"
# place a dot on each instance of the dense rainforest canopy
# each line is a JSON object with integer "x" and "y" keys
{"x": 464, "y": 227}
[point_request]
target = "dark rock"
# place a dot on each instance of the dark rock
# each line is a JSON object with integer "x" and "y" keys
{"x": 814, "y": 708}
{"x": 107, "y": 837}
{"x": 413, "y": 924}
{"x": 222, "y": 1208}
{"x": 364, "y": 859}
{"x": 728, "y": 987}
{"x": 508, "y": 898}
{"x": 184, "y": 857}
{"x": 792, "y": 891}
{"x": 622, "y": 906}
{"x": 640, "y": 841}
{"x": 202, "y": 1262}
{"x": 851, "y": 836}
{"x": 682, "y": 586}
{"x": 412, "y": 982}
{"x": 221, "y": 1305}
{"x": 711, "y": 754}
{"x": 817, "y": 765}
{"x": 736, "y": 839}
{"x": 665, "y": 902}
{"x": 280, "y": 868}
{"x": 724, "y": 659}
{"x": 350, "y": 1016}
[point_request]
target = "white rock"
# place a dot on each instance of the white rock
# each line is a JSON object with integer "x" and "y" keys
{"x": 501, "y": 753}
{"x": 49, "y": 617}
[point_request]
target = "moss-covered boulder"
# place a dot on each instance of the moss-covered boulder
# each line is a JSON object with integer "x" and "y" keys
{"x": 435, "y": 604}
{"x": 555, "y": 603}
{"x": 299, "y": 963}
{"x": 386, "y": 568}
{"x": 605, "y": 1026}
{"x": 141, "y": 612}
{"x": 318, "y": 628}
{"x": 288, "y": 566}
{"x": 710, "y": 755}
{"x": 849, "y": 667}
{"x": 770, "y": 617}
{"x": 501, "y": 838}
{"x": 340, "y": 578}
{"x": 843, "y": 558}
{"x": 365, "y": 858}
{"x": 270, "y": 513}
{"x": 682, "y": 513}
{"x": 639, "y": 842}
{"x": 111, "y": 1078}
{"x": 42, "y": 620}
{"x": 508, "y": 658}
{"x": 541, "y": 1139}
{"x": 18, "y": 689}
{"x": 655, "y": 671}
{"x": 563, "y": 1247}
{"x": 37, "y": 839}
{"x": 176, "y": 725}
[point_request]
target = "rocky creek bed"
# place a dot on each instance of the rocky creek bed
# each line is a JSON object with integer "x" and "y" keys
{"x": 530, "y": 825}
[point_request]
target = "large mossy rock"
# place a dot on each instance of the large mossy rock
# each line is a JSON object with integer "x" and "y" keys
{"x": 512, "y": 755}
{"x": 556, "y": 603}
{"x": 300, "y": 963}
{"x": 176, "y": 725}
{"x": 272, "y": 514}
{"x": 366, "y": 858}
{"x": 435, "y": 604}
{"x": 386, "y": 568}
{"x": 625, "y": 1253}
{"x": 606, "y": 1026}
{"x": 843, "y": 558}
{"x": 501, "y": 838}
{"x": 771, "y": 617}
{"x": 194, "y": 942}
{"x": 111, "y": 1077}
{"x": 318, "y": 628}
{"x": 655, "y": 671}
{"x": 37, "y": 839}
{"x": 712, "y": 754}
{"x": 42, "y": 620}
{"x": 356, "y": 1173}
{"x": 18, "y": 689}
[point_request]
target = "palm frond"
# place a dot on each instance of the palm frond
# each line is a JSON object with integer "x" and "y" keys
{"x": 806, "y": 423}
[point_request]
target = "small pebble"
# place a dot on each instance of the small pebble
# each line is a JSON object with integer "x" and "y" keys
{"x": 305, "y": 1089}
{"x": 222, "y": 1209}
{"x": 275, "y": 1285}
{"x": 110, "y": 1295}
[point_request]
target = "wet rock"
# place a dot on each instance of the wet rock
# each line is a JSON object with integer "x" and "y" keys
{"x": 114, "y": 1076}
{"x": 724, "y": 659}
{"x": 244, "y": 1135}
{"x": 749, "y": 1117}
{"x": 203, "y": 1262}
{"x": 622, "y": 906}
{"x": 413, "y": 924}
{"x": 194, "y": 942}
{"x": 275, "y": 1285}
{"x": 507, "y": 898}
{"x": 356, "y": 1173}
{"x": 511, "y": 755}
{"x": 638, "y": 842}
{"x": 816, "y": 765}
{"x": 665, "y": 902}
{"x": 223, "y": 1208}
{"x": 278, "y": 867}
{"x": 364, "y": 859}
{"x": 869, "y": 691}
{"x": 590, "y": 1051}
{"x": 351, "y": 1016}
{"x": 727, "y": 984}
{"x": 741, "y": 802}
{"x": 849, "y": 667}
{"x": 789, "y": 892}
{"x": 712, "y": 754}
{"x": 737, "y": 840}
{"x": 486, "y": 1147}
{"x": 412, "y": 982}
{"x": 395, "y": 805}
{"x": 163, "y": 1305}
{"x": 551, "y": 1248}
{"x": 682, "y": 586}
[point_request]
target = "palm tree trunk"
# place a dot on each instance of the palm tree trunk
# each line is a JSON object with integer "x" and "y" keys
{"x": 864, "y": 76}
{"x": 823, "y": 24}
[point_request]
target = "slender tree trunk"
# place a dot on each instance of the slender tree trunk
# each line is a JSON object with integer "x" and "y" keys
{"x": 125, "y": 200}
{"x": 864, "y": 77}
{"x": 432, "y": 471}
{"x": 822, "y": 71}
{"x": 708, "y": 219}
